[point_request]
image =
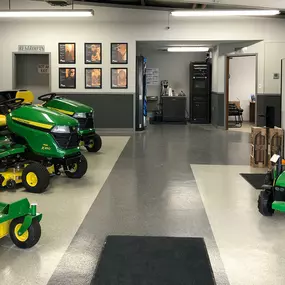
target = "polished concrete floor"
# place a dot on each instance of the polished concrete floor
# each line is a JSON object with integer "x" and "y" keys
{"x": 172, "y": 180}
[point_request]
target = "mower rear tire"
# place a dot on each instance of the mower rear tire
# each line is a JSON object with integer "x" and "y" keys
{"x": 35, "y": 178}
{"x": 265, "y": 201}
{"x": 94, "y": 144}
{"x": 78, "y": 169}
{"x": 29, "y": 238}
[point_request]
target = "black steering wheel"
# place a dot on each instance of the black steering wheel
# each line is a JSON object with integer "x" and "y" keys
{"x": 12, "y": 104}
{"x": 47, "y": 97}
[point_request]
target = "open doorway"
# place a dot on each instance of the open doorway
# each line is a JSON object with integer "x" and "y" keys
{"x": 241, "y": 86}
{"x": 31, "y": 72}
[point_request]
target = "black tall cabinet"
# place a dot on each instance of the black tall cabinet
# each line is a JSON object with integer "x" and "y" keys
{"x": 200, "y": 93}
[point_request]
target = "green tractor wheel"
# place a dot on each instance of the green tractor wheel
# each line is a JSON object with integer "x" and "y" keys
{"x": 265, "y": 200}
{"x": 78, "y": 169}
{"x": 94, "y": 144}
{"x": 29, "y": 238}
{"x": 35, "y": 178}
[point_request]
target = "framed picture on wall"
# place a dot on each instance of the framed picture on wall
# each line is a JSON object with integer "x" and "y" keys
{"x": 66, "y": 53}
{"x": 93, "y": 78}
{"x": 67, "y": 78}
{"x": 119, "y": 53}
{"x": 93, "y": 53}
{"x": 119, "y": 78}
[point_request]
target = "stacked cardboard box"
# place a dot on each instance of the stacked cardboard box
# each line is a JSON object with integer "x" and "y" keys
{"x": 258, "y": 156}
{"x": 264, "y": 143}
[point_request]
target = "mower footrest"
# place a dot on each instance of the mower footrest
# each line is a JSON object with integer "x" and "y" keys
{"x": 266, "y": 187}
{"x": 278, "y": 206}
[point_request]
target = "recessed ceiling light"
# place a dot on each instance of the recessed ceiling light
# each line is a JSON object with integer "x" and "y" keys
{"x": 224, "y": 13}
{"x": 46, "y": 13}
{"x": 188, "y": 49}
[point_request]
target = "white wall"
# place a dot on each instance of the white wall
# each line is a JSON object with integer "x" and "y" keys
{"x": 112, "y": 24}
{"x": 173, "y": 67}
{"x": 242, "y": 82}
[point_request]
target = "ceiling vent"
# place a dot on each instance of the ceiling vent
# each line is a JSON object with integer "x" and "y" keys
{"x": 60, "y": 3}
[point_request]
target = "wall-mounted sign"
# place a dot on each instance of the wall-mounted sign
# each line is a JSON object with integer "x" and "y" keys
{"x": 152, "y": 76}
{"x": 43, "y": 68}
{"x": 31, "y": 48}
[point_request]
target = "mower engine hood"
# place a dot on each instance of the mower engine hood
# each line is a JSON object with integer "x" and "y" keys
{"x": 41, "y": 117}
{"x": 67, "y": 106}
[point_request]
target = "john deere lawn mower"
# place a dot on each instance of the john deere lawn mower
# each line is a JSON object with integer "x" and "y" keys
{"x": 273, "y": 195}
{"x": 21, "y": 221}
{"x": 36, "y": 142}
{"x": 82, "y": 113}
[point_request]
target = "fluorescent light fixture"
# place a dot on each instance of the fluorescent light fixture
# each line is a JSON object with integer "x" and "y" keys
{"x": 188, "y": 49}
{"x": 46, "y": 13}
{"x": 224, "y": 13}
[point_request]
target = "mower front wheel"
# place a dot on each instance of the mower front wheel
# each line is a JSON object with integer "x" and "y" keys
{"x": 78, "y": 169}
{"x": 94, "y": 144}
{"x": 29, "y": 238}
{"x": 265, "y": 203}
{"x": 35, "y": 178}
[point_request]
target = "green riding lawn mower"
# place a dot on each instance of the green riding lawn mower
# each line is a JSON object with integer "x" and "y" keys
{"x": 35, "y": 143}
{"x": 21, "y": 221}
{"x": 273, "y": 195}
{"x": 82, "y": 113}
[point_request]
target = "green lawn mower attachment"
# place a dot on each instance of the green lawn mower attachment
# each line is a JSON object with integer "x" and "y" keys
{"x": 21, "y": 221}
{"x": 83, "y": 113}
{"x": 36, "y": 142}
{"x": 273, "y": 195}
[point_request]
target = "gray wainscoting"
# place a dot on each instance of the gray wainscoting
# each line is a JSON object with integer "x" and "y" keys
{"x": 113, "y": 111}
{"x": 218, "y": 109}
{"x": 268, "y": 100}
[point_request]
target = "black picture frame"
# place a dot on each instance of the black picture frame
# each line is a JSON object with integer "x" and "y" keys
{"x": 86, "y": 56}
{"x": 89, "y": 86}
{"x": 118, "y": 86}
{"x": 62, "y": 53}
{"x": 63, "y": 81}
{"x": 115, "y": 54}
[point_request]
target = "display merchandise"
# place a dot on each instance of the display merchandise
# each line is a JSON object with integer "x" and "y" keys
{"x": 21, "y": 221}
{"x": 273, "y": 195}
{"x": 31, "y": 161}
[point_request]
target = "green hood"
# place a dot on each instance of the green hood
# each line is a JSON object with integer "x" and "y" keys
{"x": 67, "y": 106}
{"x": 35, "y": 115}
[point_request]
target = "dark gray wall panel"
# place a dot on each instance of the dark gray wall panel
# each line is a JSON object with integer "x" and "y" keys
{"x": 218, "y": 112}
{"x": 270, "y": 100}
{"x": 112, "y": 111}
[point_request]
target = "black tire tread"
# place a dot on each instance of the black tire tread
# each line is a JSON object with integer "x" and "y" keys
{"x": 81, "y": 169}
{"x": 97, "y": 144}
{"x": 265, "y": 203}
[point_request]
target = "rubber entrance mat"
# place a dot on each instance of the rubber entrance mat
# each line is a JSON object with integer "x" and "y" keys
{"x": 256, "y": 180}
{"x": 130, "y": 260}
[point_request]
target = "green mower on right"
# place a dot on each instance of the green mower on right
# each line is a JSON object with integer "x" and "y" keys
{"x": 272, "y": 197}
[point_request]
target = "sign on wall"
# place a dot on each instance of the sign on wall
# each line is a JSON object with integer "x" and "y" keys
{"x": 43, "y": 68}
{"x": 31, "y": 48}
{"x": 152, "y": 76}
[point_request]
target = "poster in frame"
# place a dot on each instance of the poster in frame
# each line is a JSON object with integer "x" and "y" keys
{"x": 66, "y": 53}
{"x": 67, "y": 78}
{"x": 119, "y": 53}
{"x": 119, "y": 78}
{"x": 93, "y": 53}
{"x": 93, "y": 78}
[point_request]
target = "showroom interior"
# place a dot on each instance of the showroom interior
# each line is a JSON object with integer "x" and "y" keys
{"x": 142, "y": 142}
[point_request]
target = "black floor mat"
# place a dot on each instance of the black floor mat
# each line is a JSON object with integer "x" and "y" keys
{"x": 256, "y": 180}
{"x": 130, "y": 260}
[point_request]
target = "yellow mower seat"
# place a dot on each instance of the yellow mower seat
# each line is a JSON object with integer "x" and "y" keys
{"x": 3, "y": 121}
{"x": 27, "y": 95}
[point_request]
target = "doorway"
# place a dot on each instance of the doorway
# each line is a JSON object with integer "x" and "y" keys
{"x": 241, "y": 89}
{"x": 32, "y": 72}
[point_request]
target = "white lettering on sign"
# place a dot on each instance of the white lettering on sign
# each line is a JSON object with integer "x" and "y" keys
{"x": 43, "y": 68}
{"x": 31, "y": 48}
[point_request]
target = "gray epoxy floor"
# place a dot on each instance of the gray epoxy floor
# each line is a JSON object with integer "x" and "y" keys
{"x": 152, "y": 191}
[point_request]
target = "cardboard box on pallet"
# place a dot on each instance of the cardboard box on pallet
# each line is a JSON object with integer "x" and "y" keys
{"x": 275, "y": 143}
{"x": 258, "y": 156}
